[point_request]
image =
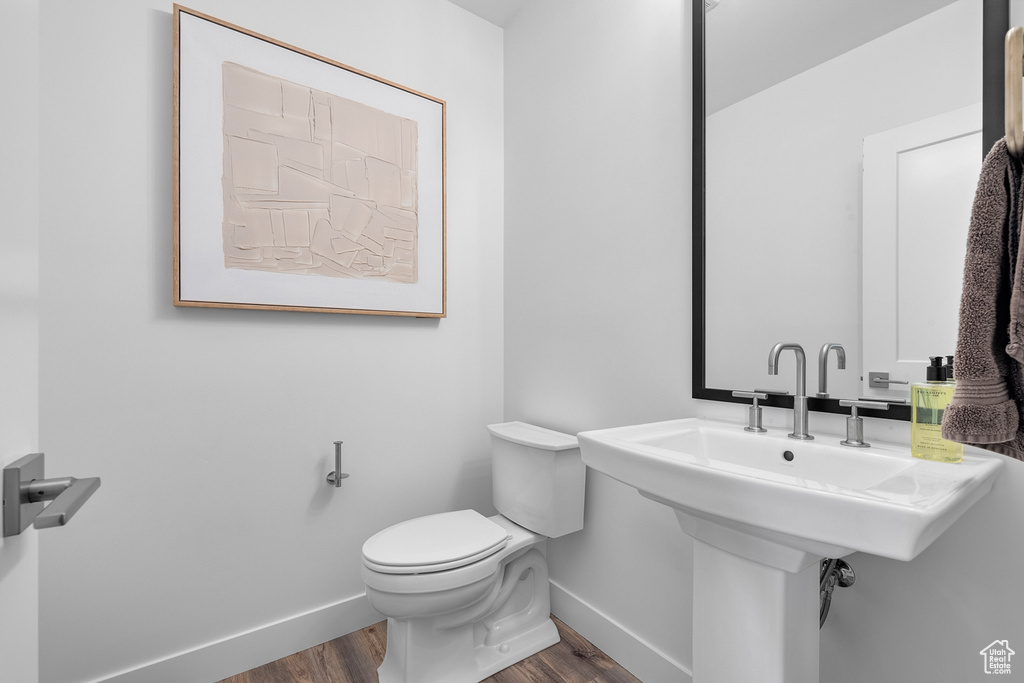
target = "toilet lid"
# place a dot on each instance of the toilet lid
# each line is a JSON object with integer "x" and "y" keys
{"x": 434, "y": 543}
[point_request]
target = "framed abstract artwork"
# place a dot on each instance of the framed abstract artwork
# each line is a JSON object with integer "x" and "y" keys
{"x": 301, "y": 183}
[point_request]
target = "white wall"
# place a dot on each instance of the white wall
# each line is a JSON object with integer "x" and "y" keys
{"x": 19, "y": 324}
{"x": 784, "y": 179}
{"x": 597, "y": 295}
{"x": 213, "y": 528}
{"x": 214, "y": 543}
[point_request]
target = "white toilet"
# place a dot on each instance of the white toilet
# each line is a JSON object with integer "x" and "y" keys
{"x": 467, "y": 595}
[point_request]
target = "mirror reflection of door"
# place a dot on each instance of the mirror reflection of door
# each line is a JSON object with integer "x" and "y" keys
{"x": 919, "y": 183}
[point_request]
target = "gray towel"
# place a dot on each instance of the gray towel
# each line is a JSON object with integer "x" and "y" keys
{"x": 986, "y": 410}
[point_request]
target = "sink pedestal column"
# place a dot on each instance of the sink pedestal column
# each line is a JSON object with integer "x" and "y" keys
{"x": 755, "y": 603}
{"x": 752, "y": 622}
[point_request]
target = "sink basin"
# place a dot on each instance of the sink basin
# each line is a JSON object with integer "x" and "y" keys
{"x": 816, "y": 495}
{"x": 763, "y": 509}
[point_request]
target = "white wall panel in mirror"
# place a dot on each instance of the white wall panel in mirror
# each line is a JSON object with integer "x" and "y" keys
{"x": 784, "y": 191}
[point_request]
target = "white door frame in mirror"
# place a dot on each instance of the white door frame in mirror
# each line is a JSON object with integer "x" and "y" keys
{"x": 919, "y": 183}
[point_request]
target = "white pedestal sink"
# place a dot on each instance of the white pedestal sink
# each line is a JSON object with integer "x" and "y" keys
{"x": 763, "y": 509}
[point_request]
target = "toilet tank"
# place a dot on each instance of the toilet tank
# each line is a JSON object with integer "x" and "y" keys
{"x": 538, "y": 478}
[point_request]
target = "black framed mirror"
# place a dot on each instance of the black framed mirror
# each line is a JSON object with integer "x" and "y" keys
{"x": 994, "y": 25}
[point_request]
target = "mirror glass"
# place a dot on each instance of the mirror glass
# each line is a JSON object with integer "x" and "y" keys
{"x": 842, "y": 143}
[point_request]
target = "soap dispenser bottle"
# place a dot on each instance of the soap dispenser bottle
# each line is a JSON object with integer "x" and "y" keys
{"x": 928, "y": 401}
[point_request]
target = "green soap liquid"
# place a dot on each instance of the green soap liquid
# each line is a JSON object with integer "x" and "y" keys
{"x": 928, "y": 402}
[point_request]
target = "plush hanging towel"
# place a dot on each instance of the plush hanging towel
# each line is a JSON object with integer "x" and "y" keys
{"x": 988, "y": 401}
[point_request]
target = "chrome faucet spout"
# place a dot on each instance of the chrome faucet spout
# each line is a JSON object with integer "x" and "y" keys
{"x": 823, "y": 365}
{"x": 800, "y": 399}
{"x": 801, "y": 364}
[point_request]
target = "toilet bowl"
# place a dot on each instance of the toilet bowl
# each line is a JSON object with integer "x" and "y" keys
{"x": 467, "y": 595}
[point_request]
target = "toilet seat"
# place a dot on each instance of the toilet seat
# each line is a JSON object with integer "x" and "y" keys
{"x": 434, "y": 543}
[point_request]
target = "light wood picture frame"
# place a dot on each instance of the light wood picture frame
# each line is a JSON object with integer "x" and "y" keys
{"x": 301, "y": 183}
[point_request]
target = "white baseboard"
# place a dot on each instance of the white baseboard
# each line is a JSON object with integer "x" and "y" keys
{"x": 243, "y": 651}
{"x": 635, "y": 654}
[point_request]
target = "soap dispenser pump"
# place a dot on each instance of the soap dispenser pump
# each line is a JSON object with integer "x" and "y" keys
{"x": 928, "y": 402}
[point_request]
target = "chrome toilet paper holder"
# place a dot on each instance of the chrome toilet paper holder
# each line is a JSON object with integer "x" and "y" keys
{"x": 335, "y": 477}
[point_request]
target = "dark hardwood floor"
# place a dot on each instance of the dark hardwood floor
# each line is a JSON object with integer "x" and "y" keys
{"x": 354, "y": 659}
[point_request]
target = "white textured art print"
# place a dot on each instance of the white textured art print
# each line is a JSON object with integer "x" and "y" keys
{"x": 314, "y": 183}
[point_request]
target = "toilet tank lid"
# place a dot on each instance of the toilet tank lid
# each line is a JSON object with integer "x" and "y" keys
{"x": 532, "y": 435}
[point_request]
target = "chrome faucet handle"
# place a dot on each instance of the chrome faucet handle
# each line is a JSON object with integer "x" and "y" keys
{"x": 754, "y": 411}
{"x": 868, "y": 403}
{"x": 756, "y": 394}
{"x": 855, "y": 423}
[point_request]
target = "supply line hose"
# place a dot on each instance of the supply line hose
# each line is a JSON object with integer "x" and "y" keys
{"x": 833, "y": 573}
